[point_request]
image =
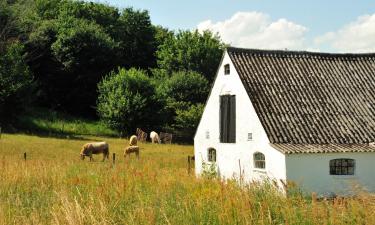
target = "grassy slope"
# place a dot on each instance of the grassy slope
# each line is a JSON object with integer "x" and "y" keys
{"x": 54, "y": 187}
{"x": 49, "y": 122}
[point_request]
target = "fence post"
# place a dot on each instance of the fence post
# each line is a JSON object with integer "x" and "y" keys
{"x": 24, "y": 155}
{"x": 114, "y": 158}
{"x": 189, "y": 161}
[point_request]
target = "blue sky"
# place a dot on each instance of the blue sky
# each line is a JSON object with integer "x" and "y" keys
{"x": 329, "y": 25}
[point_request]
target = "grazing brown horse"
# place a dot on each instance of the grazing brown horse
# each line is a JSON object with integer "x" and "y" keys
{"x": 131, "y": 149}
{"x": 133, "y": 140}
{"x": 89, "y": 149}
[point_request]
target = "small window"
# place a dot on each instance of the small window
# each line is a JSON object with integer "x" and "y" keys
{"x": 341, "y": 167}
{"x": 226, "y": 69}
{"x": 259, "y": 160}
{"x": 207, "y": 134}
{"x": 249, "y": 136}
{"x": 212, "y": 155}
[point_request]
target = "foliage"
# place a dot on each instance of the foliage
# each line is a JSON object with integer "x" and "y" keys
{"x": 209, "y": 170}
{"x": 136, "y": 38}
{"x": 187, "y": 50}
{"x": 72, "y": 44}
{"x": 182, "y": 86}
{"x": 15, "y": 82}
{"x": 127, "y": 100}
{"x": 185, "y": 93}
{"x": 82, "y": 44}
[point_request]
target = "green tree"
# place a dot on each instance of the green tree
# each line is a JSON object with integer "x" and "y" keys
{"x": 136, "y": 38}
{"x": 187, "y": 50}
{"x": 127, "y": 100}
{"x": 184, "y": 86}
{"x": 71, "y": 45}
{"x": 187, "y": 120}
{"x": 185, "y": 92}
{"x": 15, "y": 82}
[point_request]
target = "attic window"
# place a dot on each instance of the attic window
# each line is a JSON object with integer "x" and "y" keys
{"x": 226, "y": 69}
{"x": 341, "y": 167}
{"x": 249, "y": 136}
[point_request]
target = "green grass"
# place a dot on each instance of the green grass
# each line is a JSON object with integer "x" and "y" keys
{"x": 53, "y": 186}
{"x": 53, "y": 123}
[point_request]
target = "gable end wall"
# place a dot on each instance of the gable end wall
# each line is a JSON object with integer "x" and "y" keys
{"x": 233, "y": 156}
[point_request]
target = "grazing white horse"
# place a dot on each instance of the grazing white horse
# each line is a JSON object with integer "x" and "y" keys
{"x": 89, "y": 149}
{"x": 154, "y": 137}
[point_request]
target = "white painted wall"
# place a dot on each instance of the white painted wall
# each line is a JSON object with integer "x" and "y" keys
{"x": 232, "y": 156}
{"x": 311, "y": 171}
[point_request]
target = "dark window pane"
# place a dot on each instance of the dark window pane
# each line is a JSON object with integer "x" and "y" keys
{"x": 341, "y": 166}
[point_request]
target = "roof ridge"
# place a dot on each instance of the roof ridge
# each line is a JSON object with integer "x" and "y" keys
{"x": 299, "y": 53}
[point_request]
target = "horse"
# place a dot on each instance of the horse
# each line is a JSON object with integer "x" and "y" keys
{"x": 154, "y": 137}
{"x": 89, "y": 149}
{"x": 133, "y": 140}
{"x": 131, "y": 149}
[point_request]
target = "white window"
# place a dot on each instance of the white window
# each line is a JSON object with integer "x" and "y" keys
{"x": 211, "y": 155}
{"x": 259, "y": 160}
{"x": 341, "y": 166}
{"x": 249, "y": 136}
{"x": 207, "y": 134}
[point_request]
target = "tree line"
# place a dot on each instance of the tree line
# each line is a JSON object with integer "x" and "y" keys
{"x": 97, "y": 61}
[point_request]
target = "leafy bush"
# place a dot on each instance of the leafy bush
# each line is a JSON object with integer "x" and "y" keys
{"x": 185, "y": 92}
{"x": 127, "y": 100}
{"x": 15, "y": 82}
{"x": 183, "y": 86}
{"x": 209, "y": 170}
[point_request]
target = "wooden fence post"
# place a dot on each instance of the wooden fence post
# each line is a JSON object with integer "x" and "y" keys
{"x": 114, "y": 158}
{"x": 189, "y": 166}
{"x": 24, "y": 156}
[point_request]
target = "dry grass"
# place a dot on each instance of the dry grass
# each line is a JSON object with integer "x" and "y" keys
{"x": 54, "y": 187}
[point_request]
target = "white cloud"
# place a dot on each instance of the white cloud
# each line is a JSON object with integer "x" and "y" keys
{"x": 358, "y": 36}
{"x": 257, "y": 30}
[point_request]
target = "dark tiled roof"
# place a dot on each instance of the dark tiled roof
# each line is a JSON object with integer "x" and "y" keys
{"x": 323, "y": 148}
{"x": 310, "y": 98}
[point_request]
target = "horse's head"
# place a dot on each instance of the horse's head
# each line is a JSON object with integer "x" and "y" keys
{"x": 84, "y": 151}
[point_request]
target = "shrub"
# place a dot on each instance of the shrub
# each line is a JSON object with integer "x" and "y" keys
{"x": 184, "y": 92}
{"x": 127, "y": 100}
{"x": 185, "y": 86}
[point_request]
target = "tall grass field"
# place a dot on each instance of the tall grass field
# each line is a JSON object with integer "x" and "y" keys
{"x": 53, "y": 186}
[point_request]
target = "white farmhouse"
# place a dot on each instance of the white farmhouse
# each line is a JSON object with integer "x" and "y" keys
{"x": 292, "y": 116}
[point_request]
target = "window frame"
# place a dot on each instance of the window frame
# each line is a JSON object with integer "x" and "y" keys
{"x": 211, "y": 155}
{"x": 256, "y": 161}
{"x": 342, "y": 167}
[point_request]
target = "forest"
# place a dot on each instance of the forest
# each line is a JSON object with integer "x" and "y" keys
{"x": 95, "y": 62}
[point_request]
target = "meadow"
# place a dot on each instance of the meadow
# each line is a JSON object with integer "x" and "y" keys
{"x": 53, "y": 186}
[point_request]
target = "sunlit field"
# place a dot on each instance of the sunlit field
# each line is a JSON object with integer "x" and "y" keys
{"x": 53, "y": 186}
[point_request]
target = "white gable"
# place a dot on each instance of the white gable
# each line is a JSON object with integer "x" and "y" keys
{"x": 233, "y": 156}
